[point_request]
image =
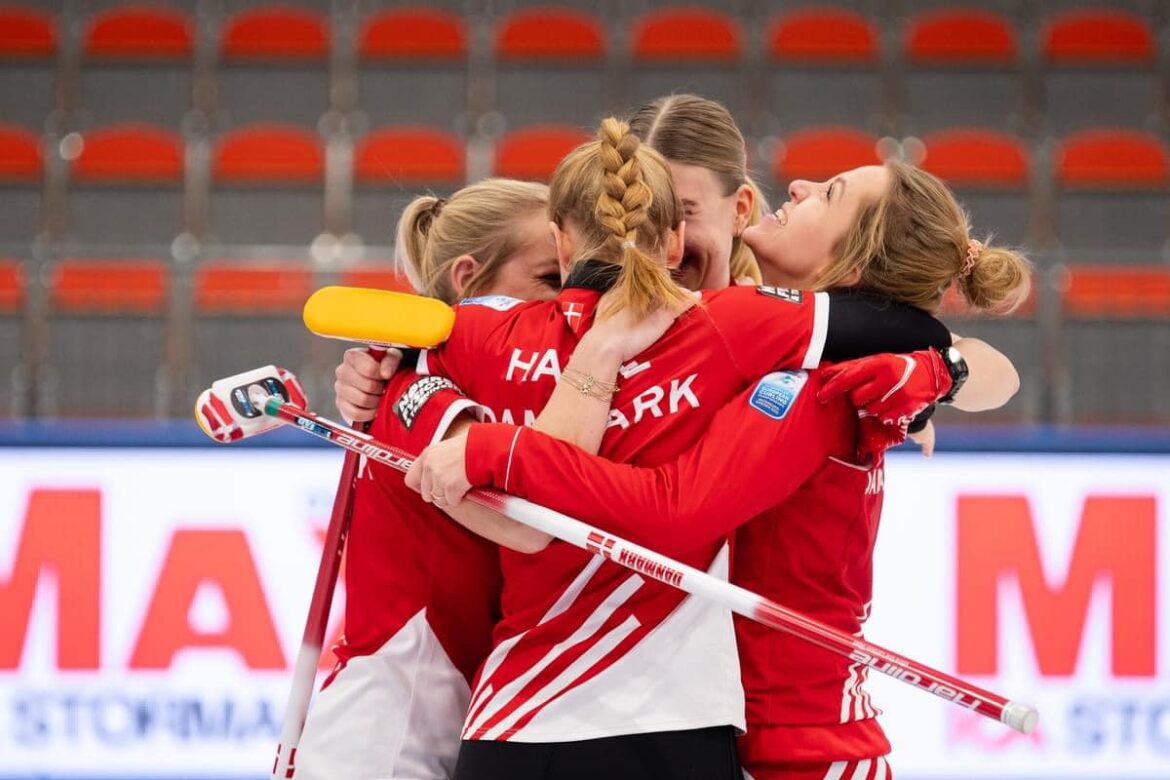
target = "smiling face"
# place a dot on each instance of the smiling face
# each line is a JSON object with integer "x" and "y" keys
{"x": 711, "y": 218}
{"x": 795, "y": 243}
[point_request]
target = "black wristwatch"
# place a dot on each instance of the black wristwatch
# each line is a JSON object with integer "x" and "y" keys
{"x": 957, "y": 368}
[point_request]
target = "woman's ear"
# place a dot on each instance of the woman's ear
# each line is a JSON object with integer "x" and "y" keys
{"x": 745, "y": 202}
{"x": 676, "y": 244}
{"x": 564, "y": 245}
{"x": 462, "y": 271}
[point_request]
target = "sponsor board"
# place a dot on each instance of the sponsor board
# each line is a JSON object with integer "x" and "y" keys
{"x": 153, "y": 602}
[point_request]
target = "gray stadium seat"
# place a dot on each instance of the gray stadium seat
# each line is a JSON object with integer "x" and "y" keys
{"x": 137, "y": 65}
{"x": 824, "y": 68}
{"x": 549, "y": 67}
{"x": 267, "y": 186}
{"x": 412, "y": 67}
{"x": 126, "y": 187}
{"x": 274, "y": 66}
{"x": 962, "y": 68}
{"x": 106, "y": 355}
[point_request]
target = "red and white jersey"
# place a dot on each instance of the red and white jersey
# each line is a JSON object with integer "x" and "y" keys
{"x": 812, "y": 550}
{"x": 583, "y": 639}
{"x": 422, "y": 595}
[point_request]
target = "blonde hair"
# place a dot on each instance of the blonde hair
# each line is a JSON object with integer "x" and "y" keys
{"x": 911, "y": 244}
{"x": 693, "y": 130}
{"x": 478, "y": 220}
{"x": 620, "y": 198}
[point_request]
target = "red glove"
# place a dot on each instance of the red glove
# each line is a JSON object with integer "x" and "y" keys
{"x": 889, "y": 391}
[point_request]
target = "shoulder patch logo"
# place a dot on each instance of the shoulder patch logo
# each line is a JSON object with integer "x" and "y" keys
{"x": 497, "y": 302}
{"x": 420, "y": 391}
{"x": 783, "y": 293}
{"x": 777, "y": 392}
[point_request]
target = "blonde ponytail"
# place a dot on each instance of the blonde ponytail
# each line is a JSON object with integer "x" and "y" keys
{"x": 479, "y": 220}
{"x": 619, "y": 196}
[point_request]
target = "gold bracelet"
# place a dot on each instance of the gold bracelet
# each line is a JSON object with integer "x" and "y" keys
{"x": 589, "y": 385}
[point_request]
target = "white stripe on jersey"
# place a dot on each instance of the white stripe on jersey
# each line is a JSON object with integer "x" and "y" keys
{"x": 501, "y": 651}
{"x": 883, "y": 769}
{"x": 567, "y": 677}
{"x": 820, "y": 331}
{"x": 836, "y": 769}
{"x": 591, "y": 626}
{"x": 847, "y": 693}
{"x": 862, "y": 770}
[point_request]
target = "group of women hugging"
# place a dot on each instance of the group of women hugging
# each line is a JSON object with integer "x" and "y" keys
{"x": 645, "y": 346}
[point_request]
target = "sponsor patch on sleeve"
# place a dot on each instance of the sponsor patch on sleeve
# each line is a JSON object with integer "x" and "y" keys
{"x": 783, "y": 293}
{"x": 497, "y": 302}
{"x": 777, "y": 392}
{"x": 416, "y": 396}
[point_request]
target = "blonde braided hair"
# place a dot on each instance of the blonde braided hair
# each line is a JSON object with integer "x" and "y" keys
{"x": 620, "y": 198}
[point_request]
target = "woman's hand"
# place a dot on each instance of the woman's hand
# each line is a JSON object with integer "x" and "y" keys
{"x": 621, "y": 335}
{"x": 925, "y": 439}
{"x": 361, "y": 381}
{"x": 440, "y": 474}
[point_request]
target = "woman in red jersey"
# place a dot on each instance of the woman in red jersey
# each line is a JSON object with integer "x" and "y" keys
{"x": 807, "y": 714}
{"x": 556, "y": 690}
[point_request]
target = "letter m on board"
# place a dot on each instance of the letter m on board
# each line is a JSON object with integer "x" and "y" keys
{"x": 1115, "y": 543}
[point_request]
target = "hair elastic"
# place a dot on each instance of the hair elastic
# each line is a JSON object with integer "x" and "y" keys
{"x": 629, "y": 244}
{"x": 974, "y": 249}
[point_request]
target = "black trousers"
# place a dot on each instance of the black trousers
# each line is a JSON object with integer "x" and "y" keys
{"x": 697, "y": 754}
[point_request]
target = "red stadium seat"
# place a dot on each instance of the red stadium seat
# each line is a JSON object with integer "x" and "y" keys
{"x": 130, "y": 153}
{"x": 686, "y": 34}
{"x": 1117, "y": 292}
{"x": 534, "y": 152}
{"x": 1112, "y": 158}
{"x": 1097, "y": 37}
{"x": 20, "y": 155}
{"x": 139, "y": 32}
{"x": 109, "y": 286}
{"x": 12, "y": 292}
{"x": 378, "y": 277}
{"x": 961, "y": 36}
{"x": 821, "y": 152}
{"x": 831, "y": 36}
{"x": 223, "y": 286}
{"x": 269, "y": 153}
{"x": 276, "y": 33}
{"x": 413, "y": 33}
{"x": 409, "y": 155}
{"x": 549, "y": 34}
{"x": 27, "y": 32}
{"x": 977, "y": 157}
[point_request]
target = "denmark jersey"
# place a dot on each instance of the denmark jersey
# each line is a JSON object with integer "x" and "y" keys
{"x": 774, "y": 446}
{"x": 581, "y": 639}
{"x": 422, "y": 594}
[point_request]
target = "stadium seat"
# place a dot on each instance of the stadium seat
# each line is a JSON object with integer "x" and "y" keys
{"x": 249, "y": 315}
{"x": 107, "y": 338}
{"x": 267, "y": 186}
{"x": 413, "y": 67}
{"x": 13, "y": 389}
{"x": 378, "y": 277}
{"x": 687, "y": 49}
{"x": 824, "y": 69}
{"x": 534, "y": 152}
{"x": 821, "y": 152}
{"x": 126, "y": 187}
{"x": 1099, "y": 67}
{"x": 138, "y": 65}
{"x": 1116, "y": 324}
{"x": 549, "y": 67}
{"x": 20, "y": 185}
{"x": 990, "y": 171}
{"x": 28, "y": 66}
{"x": 393, "y": 164}
{"x": 274, "y": 66}
{"x": 962, "y": 68}
{"x": 1113, "y": 195}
